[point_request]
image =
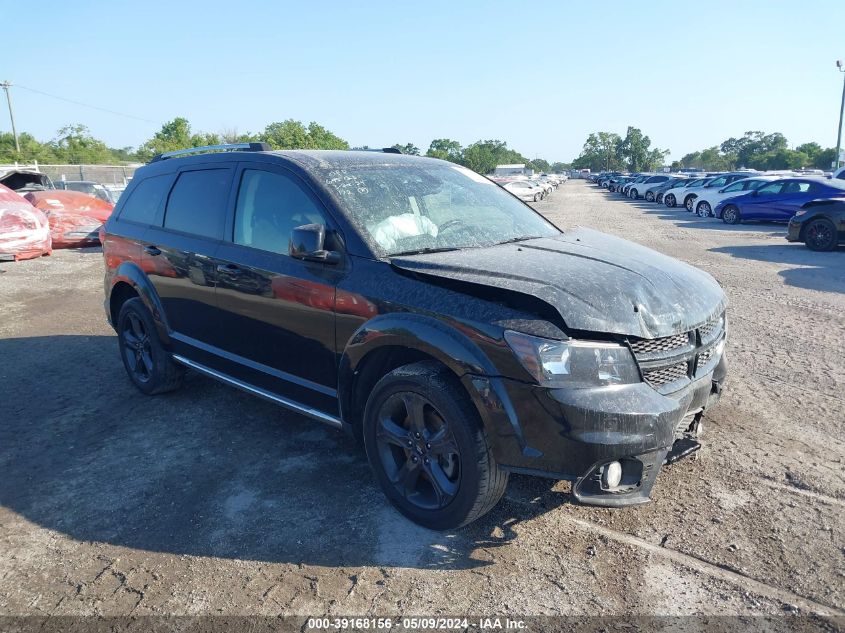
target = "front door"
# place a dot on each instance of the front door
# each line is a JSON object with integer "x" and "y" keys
{"x": 276, "y": 313}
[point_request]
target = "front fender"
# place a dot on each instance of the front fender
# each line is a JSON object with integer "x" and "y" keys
{"x": 130, "y": 273}
{"x": 451, "y": 344}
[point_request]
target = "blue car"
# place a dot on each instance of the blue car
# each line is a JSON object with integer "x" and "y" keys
{"x": 779, "y": 200}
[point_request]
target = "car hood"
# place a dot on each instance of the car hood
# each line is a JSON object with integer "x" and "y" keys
{"x": 596, "y": 282}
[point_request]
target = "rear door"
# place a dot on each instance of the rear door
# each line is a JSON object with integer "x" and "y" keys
{"x": 276, "y": 313}
{"x": 178, "y": 255}
{"x": 793, "y": 196}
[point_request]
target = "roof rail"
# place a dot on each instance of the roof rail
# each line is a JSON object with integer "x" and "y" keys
{"x": 229, "y": 147}
{"x": 385, "y": 150}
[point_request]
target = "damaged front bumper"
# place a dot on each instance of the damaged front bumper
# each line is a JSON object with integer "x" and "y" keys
{"x": 575, "y": 434}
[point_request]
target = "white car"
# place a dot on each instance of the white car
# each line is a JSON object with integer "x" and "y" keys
{"x": 545, "y": 186}
{"x": 709, "y": 198}
{"x": 839, "y": 174}
{"x": 677, "y": 195}
{"x": 525, "y": 190}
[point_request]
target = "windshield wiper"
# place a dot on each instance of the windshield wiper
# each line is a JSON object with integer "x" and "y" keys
{"x": 421, "y": 251}
{"x": 519, "y": 239}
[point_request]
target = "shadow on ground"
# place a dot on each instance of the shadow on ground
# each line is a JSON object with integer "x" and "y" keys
{"x": 206, "y": 470}
{"x": 808, "y": 269}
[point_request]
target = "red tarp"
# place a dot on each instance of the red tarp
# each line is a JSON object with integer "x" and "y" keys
{"x": 24, "y": 230}
{"x": 75, "y": 217}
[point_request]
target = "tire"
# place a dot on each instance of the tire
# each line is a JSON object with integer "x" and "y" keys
{"x": 659, "y": 198}
{"x": 634, "y": 194}
{"x": 669, "y": 200}
{"x": 536, "y": 197}
{"x": 731, "y": 215}
{"x": 438, "y": 489}
{"x": 148, "y": 365}
{"x": 689, "y": 201}
{"x": 703, "y": 209}
{"x": 649, "y": 196}
{"x": 820, "y": 235}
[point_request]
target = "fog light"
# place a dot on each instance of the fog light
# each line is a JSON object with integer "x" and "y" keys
{"x": 611, "y": 475}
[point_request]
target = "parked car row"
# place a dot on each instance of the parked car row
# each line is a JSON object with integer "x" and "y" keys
{"x": 31, "y": 203}
{"x": 811, "y": 204}
{"x": 532, "y": 188}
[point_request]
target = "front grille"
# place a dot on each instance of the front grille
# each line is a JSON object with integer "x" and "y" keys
{"x": 655, "y": 345}
{"x": 665, "y": 375}
{"x": 669, "y": 359}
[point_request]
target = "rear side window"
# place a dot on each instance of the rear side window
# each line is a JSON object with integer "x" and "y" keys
{"x": 197, "y": 203}
{"x": 145, "y": 199}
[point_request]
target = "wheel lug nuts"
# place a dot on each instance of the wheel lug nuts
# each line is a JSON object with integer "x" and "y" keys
{"x": 426, "y": 460}
{"x": 416, "y": 435}
{"x": 415, "y": 459}
{"x": 428, "y": 445}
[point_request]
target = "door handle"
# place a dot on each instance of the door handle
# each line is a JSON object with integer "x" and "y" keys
{"x": 229, "y": 269}
{"x": 152, "y": 250}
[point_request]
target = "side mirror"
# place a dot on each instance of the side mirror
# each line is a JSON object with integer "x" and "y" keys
{"x": 306, "y": 243}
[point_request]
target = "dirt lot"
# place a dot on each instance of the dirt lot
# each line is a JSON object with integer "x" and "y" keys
{"x": 208, "y": 501}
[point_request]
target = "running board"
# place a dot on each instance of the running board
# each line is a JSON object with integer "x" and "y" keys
{"x": 257, "y": 391}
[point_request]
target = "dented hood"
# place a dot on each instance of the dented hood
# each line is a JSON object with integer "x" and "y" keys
{"x": 597, "y": 282}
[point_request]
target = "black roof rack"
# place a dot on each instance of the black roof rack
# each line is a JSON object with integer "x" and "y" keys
{"x": 228, "y": 147}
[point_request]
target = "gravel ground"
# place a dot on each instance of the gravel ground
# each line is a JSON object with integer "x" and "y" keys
{"x": 208, "y": 501}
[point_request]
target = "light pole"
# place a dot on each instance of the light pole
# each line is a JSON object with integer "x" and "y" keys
{"x": 841, "y": 68}
{"x": 6, "y": 85}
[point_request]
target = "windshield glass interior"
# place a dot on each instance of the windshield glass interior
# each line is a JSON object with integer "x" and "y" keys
{"x": 433, "y": 207}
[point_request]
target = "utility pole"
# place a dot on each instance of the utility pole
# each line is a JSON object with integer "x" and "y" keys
{"x": 6, "y": 85}
{"x": 841, "y": 68}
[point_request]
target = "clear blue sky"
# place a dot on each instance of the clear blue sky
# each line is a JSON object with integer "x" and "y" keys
{"x": 539, "y": 75}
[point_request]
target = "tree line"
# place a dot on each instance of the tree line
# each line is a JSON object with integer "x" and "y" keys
{"x": 758, "y": 150}
{"x": 753, "y": 150}
{"x": 74, "y": 144}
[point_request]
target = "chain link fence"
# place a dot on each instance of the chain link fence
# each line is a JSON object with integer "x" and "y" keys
{"x": 110, "y": 176}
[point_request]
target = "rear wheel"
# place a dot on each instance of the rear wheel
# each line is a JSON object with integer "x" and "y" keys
{"x": 669, "y": 200}
{"x": 428, "y": 449}
{"x": 148, "y": 364}
{"x": 731, "y": 215}
{"x": 820, "y": 235}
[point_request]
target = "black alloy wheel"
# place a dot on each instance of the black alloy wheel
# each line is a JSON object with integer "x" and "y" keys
{"x": 149, "y": 365}
{"x": 820, "y": 235}
{"x": 417, "y": 450}
{"x": 136, "y": 348}
{"x": 428, "y": 449}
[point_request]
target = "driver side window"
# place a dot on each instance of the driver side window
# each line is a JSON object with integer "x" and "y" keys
{"x": 270, "y": 205}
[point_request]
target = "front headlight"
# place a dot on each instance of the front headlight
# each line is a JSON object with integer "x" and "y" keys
{"x": 800, "y": 212}
{"x": 573, "y": 363}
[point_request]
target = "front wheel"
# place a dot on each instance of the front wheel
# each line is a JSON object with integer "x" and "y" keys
{"x": 820, "y": 235}
{"x": 536, "y": 197}
{"x": 669, "y": 200}
{"x": 730, "y": 215}
{"x": 649, "y": 196}
{"x": 428, "y": 449}
{"x": 634, "y": 194}
{"x": 148, "y": 364}
{"x": 703, "y": 209}
{"x": 689, "y": 201}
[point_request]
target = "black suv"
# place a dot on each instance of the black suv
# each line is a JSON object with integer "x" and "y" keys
{"x": 445, "y": 324}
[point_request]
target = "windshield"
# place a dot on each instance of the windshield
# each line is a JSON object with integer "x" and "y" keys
{"x": 404, "y": 209}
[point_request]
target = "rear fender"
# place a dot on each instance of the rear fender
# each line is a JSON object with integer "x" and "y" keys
{"x": 130, "y": 273}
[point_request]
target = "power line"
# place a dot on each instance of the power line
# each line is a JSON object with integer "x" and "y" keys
{"x": 87, "y": 105}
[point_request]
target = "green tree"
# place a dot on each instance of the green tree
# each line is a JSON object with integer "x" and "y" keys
{"x": 320, "y": 138}
{"x": 31, "y": 149}
{"x": 635, "y": 149}
{"x": 407, "y": 148}
{"x": 173, "y": 135}
{"x": 483, "y": 156}
{"x": 600, "y": 152}
{"x": 74, "y": 145}
{"x": 540, "y": 165}
{"x": 445, "y": 149}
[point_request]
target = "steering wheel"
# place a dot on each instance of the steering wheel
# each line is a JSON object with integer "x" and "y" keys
{"x": 451, "y": 223}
